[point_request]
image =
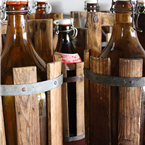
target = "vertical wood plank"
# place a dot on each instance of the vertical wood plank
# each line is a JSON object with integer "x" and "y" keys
{"x": 94, "y": 34}
{"x": 129, "y": 104}
{"x": 31, "y": 17}
{"x": 27, "y": 113}
{"x": 2, "y": 128}
{"x": 65, "y": 104}
{"x": 55, "y": 16}
{"x": 44, "y": 39}
{"x": 76, "y": 16}
{"x": 100, "y": 132}
{"x": 54, "y": 102}
{"x": 87, "y": 98}
{"x": 80, "y": 100}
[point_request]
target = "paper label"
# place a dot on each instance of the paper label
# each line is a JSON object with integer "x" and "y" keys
{"x": 69, "y": 59}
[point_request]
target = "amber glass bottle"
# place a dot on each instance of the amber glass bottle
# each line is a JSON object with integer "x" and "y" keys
{"x": 141, "y": 22}
{"x": 19, "y": 52}
{"x": 41, "y": 6}
{"x": 66, "y": 50}
{"x": 123, "y": 44}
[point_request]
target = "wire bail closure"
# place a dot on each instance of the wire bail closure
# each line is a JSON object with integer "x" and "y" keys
{"x": 134, "y": 9}
{"x": 46, "y": 5}
{"x": 75, "y": 30}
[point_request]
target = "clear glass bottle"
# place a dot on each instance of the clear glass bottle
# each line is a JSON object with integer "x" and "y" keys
{"x": 123, "y": 44}
{"x": 41, "y": 9}
{"x": 66, "y": 51}
{"x": 19, "y": 52}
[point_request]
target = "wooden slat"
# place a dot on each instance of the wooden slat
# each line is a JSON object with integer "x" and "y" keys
{"x": 65, "y": 104}
{"x": 2, "y": 128}
{"x": 0, "y": 39}
{"x": 54, "y": 102}
{"x": 27, "y": 113}
{"x": 87, "y": 98}
{"x": 44, "y": 39}
{"x": 3, "y": 28}
{"x": 108, "y": 19}
{"x": 79, "y": 43}
{"x": 100, "y": 131}
{"x": 80, "y": 100}
{"x": 55, "y": 16}
{"x": 77, "y": 15}
{"x": 94, "y": 33}
{"x": 129, "y": 104}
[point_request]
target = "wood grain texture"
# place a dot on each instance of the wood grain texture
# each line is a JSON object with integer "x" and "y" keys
{"x": 94, "y": 34}
{"x": 2, "y": 127}
{"x": 100, "y": 129}
{"x": 27, "y": 113}
{"x": 129, "y": 104}
{"x": 108, "y": 19}
{"x": 87, "y": 97}
{"x": 65, "y": 104}
{"x": 54, "y": 101}
{"x": 3, "y": 30}
{"x": 79, "y": 42}
{"x": 43, "y": 39}
{"x": 77, "y": 15}
{"x": 80, "y": 100}
{"x": 55, "y": 16}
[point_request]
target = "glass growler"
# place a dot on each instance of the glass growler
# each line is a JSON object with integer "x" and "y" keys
{"x": 41, "y": 7}
{"x": 123, "y": 44}
{"x": 66, "y": 51}
{"x": 19, "y": 52}
{"x": 141, "y": 22}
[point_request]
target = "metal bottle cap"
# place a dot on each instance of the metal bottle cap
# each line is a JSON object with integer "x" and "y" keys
{"x": 91, "y": 1}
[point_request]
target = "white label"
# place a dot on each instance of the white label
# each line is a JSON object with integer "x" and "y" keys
{"x": 69, "y": 59}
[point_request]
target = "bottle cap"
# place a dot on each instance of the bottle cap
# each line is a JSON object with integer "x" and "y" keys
{"x": 91, "y": 1}
{"x": 16, "y": 2}
{"x": 63, "y": 22}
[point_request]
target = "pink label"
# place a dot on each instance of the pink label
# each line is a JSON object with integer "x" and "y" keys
{"x": 69, "y": 59}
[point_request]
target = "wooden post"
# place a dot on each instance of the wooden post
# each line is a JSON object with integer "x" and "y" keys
{"x": 129, "y": 104}
{"x": 65, "y": 105}
{"x": 100, "y": 128}
{"x": 54, "y": 102}
{"x": 80, "y": 100}
{"x": 55, "y": 16}
{"x": 87, "y": 98}
{"x": 27, "y": 113}
{"x": 94, "y": 33}
{"x": 2, "y": 128}
{"x": 44, "y": 39}
{"x": 31, "y": 17}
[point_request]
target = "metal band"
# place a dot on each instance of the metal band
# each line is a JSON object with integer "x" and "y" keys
{"x": 28, "y": 89}
{"x": 73, "y": 79}
{"x": 114, "y": 81}
{"x": 75, "y": 138}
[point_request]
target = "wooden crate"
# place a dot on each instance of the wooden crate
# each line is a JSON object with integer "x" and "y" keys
{"x": 97, "y": 96}
{"x": 30, "y": 134}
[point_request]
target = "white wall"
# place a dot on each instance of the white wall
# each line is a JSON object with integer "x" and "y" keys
{"x": 66, "y": 6}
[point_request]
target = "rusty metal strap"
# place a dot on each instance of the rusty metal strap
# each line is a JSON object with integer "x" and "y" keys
{"x": 29, "y": 89}
{"x": 114, "y": 81}
{"x": 73, "y": 79}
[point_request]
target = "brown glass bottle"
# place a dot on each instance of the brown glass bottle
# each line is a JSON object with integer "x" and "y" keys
{"x": 65, "y": 47}
{"x": 19, "y": 52}
{"x": 123, "y": 44}
{"x": 41, "y": 10}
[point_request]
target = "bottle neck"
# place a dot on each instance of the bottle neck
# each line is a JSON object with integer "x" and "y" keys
{"x": 92, "y": 7}
{"x": 17, "y": 23}
{"x": 41, "y": 11}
